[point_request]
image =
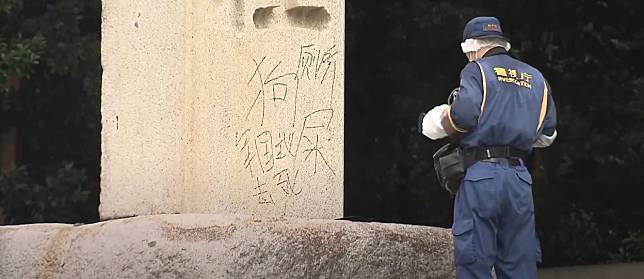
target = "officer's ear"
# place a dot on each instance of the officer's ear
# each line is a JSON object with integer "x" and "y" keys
{"x": 469, "y": 56}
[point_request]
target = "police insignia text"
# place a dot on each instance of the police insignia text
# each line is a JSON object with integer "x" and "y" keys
{"x": 511, "y": 76}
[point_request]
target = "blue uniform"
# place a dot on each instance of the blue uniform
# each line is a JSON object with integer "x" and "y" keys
{"x": 501, "y": 102}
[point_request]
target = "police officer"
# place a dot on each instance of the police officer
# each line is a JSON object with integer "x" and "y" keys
{"x": 502, "y": 110}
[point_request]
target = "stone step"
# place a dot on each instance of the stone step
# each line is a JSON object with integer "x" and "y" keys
{"x": 225, "y": 246}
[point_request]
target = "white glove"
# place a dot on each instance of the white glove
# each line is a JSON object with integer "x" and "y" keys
{"x": 432, "y": 127}
{"x": 545, "y": 141}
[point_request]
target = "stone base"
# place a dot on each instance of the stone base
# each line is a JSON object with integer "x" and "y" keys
{"x": 216, "y": 246}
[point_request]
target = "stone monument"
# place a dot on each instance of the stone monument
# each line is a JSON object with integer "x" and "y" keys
{"x": 233, "y": 107}
{"x": 229, "y": 106}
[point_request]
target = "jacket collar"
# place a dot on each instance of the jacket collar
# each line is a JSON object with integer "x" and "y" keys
{"x": 495, "y": 51}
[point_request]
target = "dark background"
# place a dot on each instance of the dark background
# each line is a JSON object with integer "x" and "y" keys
{"x": 402, "y": 57}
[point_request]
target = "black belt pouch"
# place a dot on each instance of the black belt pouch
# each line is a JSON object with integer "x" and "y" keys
{"x": 449, "y": 166}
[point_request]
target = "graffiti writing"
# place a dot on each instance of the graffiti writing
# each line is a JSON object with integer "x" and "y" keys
{"x": 287, "y": 123}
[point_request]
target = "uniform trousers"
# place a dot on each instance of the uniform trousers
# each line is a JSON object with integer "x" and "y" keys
{"x": 494, "y": 223}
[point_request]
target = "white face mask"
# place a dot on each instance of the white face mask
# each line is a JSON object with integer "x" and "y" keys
{"x": 470, "y": 45}
{"x": 473, "y": 45}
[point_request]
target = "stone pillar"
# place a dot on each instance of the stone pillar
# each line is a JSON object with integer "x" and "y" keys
{"x": 225, "y": 106}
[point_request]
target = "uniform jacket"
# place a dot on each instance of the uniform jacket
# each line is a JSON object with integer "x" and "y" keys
{"x": 502, "y": 101}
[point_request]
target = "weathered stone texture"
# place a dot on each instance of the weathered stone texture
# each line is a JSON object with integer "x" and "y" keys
{"x": 229, "y": 106}
{"x": 214, "y": 246}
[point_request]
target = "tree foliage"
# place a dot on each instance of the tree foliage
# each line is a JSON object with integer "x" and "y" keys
{"x": 50, "y": 91}
{"x": 403, "y": 57}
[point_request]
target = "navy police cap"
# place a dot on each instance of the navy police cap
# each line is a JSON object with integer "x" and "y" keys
{"x": 483, "y": 27}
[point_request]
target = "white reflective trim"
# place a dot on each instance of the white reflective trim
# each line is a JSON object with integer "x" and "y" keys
{"x": 545, "y": 141}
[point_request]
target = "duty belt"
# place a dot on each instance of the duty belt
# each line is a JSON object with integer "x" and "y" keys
{"x": 451, "y": 163}
{"x": 471, "y": 156}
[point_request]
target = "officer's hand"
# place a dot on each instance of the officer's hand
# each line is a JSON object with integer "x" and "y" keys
{"x": 420, "y": 122}
{"x": 431, "y": 123}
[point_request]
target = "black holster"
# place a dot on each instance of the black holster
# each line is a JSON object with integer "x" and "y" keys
{"x": 450, "y": 167}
